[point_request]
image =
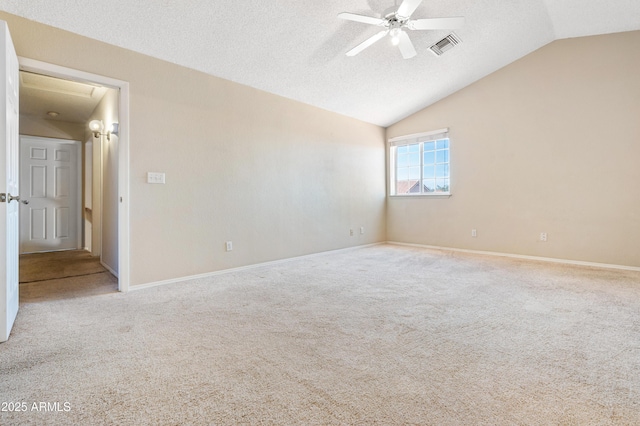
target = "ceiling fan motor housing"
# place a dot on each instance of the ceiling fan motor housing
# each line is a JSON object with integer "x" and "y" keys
{"x": 393, "y": 21}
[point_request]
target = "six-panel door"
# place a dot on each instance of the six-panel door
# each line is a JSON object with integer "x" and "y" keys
{"x": 49, "y": 180}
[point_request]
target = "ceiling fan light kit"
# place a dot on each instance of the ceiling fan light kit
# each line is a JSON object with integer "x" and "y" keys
{"x": 396, "y": 23}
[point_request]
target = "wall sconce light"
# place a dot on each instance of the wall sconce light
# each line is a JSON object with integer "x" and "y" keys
{"x": 96, "y": 126}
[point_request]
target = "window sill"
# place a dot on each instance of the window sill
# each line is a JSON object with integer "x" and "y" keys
{"x": 421, "y": 196}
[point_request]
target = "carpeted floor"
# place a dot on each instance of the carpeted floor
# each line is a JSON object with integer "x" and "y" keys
{"x": 379, "y": 335}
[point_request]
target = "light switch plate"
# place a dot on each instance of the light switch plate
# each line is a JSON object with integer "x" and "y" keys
{"x": 155, "y": 177}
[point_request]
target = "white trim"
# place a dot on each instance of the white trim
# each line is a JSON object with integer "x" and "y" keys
{"x": 108, "y": 268}
{"x": 52, "y": 70}
{"x": 80, "y": 194}
{"x": 418, "y": 135}
{"x": 123, "y": 189}
{"x": 32, "y": 65}
{"x": 523, "y": 256}
{"x": 244, "y": 268}
{"x": 424, "y": 194}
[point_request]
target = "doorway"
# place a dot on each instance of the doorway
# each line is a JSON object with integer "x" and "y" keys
{"x": 50, "y": 189}
{"x": 115, "y": 203}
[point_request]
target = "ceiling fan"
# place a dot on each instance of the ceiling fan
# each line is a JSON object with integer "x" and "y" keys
{"x": 396, "y": 22}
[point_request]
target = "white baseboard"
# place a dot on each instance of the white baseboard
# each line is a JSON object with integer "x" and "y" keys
{"x": 108, "y": 268}
{"x": 523, "y": 256}
{"x": 244, "y": 268}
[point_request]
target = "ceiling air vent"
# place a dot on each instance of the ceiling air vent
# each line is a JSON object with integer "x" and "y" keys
{"x": 445, "y": 44}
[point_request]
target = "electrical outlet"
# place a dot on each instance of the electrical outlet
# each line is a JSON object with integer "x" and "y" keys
{"x": 543, "y": 236}
{"x": 474, "y": 233}
{"x": 351, "y": 232}
{"x": 229, "y": 245}
{"x": 362, "y": 230}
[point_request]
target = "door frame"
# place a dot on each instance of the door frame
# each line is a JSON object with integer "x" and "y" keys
{"x": 77, "y": 184}
{"x": 44, "y": 68}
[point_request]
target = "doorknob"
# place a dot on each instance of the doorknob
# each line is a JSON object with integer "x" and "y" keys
{"x": 3, "y": 198}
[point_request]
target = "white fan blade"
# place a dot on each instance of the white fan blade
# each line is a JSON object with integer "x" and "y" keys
{"x": 408, "y": 7}
{"x": 405, "y": 45}
{"x": 368, "y": 42}
{"x": 360, "y": 18}
{"x": 452, "y": 23}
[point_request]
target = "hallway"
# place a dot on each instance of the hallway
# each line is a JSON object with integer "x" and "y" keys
{"x": 62, "y": 275}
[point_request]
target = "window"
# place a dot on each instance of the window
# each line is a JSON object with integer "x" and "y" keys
{"x": 420, "y": 164}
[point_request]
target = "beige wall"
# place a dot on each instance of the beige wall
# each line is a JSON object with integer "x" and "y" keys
{"x": 550, "y": 143}
{"x": 277, "y": 177}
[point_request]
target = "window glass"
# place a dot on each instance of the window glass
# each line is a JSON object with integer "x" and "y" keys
{"x": 442, "y": 156}
{"x": 442, "y": 171}
{"x": 421, "y": 167}
{"x": 414, "y": 173}
{"x": 429, "y": 157}
{"x": 429, "y": 185}
{"x": 429, "y": 171}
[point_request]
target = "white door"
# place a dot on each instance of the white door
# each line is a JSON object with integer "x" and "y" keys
{"x": 8, "y": 182}
{"x": 50, "y": 181}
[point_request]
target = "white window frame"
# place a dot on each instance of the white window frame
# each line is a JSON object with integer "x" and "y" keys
{"x": 411, "y": 139}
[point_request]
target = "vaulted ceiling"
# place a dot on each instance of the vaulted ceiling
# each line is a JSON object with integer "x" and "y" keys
{"x": 296, "y": 49}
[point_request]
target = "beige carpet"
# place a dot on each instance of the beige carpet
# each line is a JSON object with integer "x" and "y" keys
{"x": 380, "y": 335}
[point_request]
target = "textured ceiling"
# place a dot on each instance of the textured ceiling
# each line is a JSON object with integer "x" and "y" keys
{"x": 296, "y": 49}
